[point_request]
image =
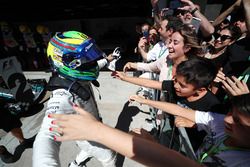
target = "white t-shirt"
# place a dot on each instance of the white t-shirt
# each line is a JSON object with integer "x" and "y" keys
{"x": 213, "y": 124}
{"x": 157, "y": 51}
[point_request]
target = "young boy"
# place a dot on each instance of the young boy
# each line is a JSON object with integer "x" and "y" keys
{"x": 189, "y": 89}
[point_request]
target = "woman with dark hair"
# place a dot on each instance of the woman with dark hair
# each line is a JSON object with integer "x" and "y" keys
{"x": 224, "y": 38}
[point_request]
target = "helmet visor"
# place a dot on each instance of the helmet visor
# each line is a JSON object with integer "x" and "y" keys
{"x": 89, "y": 51}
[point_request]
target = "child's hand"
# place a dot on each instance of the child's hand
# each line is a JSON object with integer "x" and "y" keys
{"x": 137, "y": 98}
{"x": 183, "y": 122}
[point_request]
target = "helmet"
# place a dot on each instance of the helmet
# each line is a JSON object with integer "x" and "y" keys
{"x": 74, "y": 55}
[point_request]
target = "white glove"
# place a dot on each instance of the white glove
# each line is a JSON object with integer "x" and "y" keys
{"x": 116, "y": 55}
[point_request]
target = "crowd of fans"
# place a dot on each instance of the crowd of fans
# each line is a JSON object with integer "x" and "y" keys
{"x": 200, "y": 70}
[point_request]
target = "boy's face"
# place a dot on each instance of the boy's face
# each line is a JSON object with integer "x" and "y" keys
{"x": 237, "y": 126}
{"x": 182, "y": 88}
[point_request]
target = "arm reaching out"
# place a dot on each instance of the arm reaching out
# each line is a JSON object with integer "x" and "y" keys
{"x": 227, "y": 12}
{"x": 139, "y": 81}
{"x": 205, "y": 26}
{"x": 129, "y": 66}
{"x": 166, "y": 107}
{"x": 85, "y": 126}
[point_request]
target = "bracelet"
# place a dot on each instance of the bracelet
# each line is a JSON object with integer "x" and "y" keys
{"x": 194, "y": 10}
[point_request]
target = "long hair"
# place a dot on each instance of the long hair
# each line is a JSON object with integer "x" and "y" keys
{"x": 190, "y": 39}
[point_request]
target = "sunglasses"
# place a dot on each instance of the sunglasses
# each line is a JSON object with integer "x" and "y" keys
{"x": 182, "y": 12}
{"x": 222, "y": 37}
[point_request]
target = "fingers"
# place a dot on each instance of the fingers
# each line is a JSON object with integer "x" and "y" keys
{"x": 116, "y": 52}
{"x": 80, "y": 110}
{"x": 239, "y": 83}
{"x": 62, "y": 138}
{"x": 183, "y": 122}
{"x": 234, "y": 86}
{"x": 133, "y": 98}
{"x": 136, "y": 130}
{"x": 58, "y": 130}
{"x": 220, "y": 76}
{"x": 126, "y": 67}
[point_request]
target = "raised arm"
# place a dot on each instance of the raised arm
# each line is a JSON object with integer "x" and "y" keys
{"x": 142, "y": 48}
{"x": 205, "y": 26}
{"x": 224, "y": 15}
{"x": 84, "y": 126}
{"x": 170, "y": 108}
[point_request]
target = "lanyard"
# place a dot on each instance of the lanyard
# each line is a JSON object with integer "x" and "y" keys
{"x": 219, "y": 147}
{"x": 162, "y": 52}
{"x": 170, "y": 71}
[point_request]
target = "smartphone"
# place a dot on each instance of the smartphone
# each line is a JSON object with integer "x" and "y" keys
{"x": 145, "y": 34}
{"x": 196, "y": 23}
{"x": 174, "y": 4}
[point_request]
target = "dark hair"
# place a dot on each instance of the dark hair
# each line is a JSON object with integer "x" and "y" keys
{"x": 173, "y": 23}
{"x": 234, "y": 30}
{"x": 198, "y": 71}
{"x": 242, "y": 103}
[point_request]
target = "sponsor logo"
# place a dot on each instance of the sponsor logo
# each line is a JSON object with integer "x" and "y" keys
{"x": 88, "y": 47}
{"x": 53, "y": 108}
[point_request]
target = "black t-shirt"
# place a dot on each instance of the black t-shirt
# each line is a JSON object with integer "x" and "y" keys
{"x": 208, "y": 102}
{"x": 220, "y": 61}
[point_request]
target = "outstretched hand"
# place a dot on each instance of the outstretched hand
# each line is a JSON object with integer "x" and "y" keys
{"x": 118, "y": 75}
{"x": 183, "y": 122}
{"x": 137, "y": 98}
{"x": 82, "y": 126}
{"x": 129, "y": 66}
